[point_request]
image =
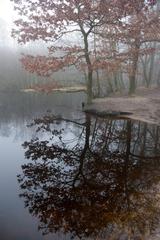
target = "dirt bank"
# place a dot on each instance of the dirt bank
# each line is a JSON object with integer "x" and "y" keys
{"x": 144, "y": 106}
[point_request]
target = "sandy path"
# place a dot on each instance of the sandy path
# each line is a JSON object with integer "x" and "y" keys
{"x": 144, "y": 106}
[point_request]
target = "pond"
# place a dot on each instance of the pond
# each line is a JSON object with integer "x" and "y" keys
{"x": 69, "y": 175}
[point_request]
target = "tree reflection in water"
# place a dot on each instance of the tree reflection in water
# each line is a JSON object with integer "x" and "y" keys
{"x": 93, "y": 178}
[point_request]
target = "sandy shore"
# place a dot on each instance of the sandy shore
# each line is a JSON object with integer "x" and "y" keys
{"x": 144, "y": 106}
{"x": 60, "y": 89}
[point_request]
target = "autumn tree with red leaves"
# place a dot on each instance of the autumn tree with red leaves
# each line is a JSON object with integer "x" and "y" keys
{"x": 54, "y": 20}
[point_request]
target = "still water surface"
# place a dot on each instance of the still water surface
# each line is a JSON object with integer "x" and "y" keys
{"x": 64, "y": 174}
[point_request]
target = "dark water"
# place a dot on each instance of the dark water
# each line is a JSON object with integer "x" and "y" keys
{"x": 64, "y": 174}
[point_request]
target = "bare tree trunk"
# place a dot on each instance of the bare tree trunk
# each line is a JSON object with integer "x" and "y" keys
{"x": 89, "y": 87}
{"x": 97, "y": 72}
{"x": 151, "y": 67}
{"x": 132, "y": 77}
{"x": 88, "y": 62}
{"x": 144, "y": 62}
{"x": 89, "y": 69}
{"x": 98, "y": 83}
{"x": 158, "y": 79}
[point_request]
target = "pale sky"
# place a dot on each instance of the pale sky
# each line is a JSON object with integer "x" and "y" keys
{"x": 6, "y": 11}
{"x": 7, "y": 16}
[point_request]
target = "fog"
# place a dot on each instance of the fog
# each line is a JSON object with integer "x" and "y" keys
{"x": 12, "y": 76}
